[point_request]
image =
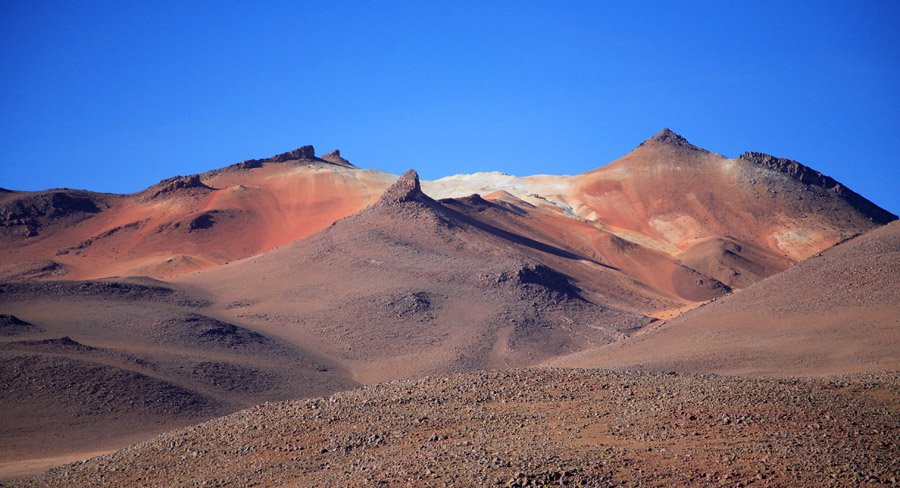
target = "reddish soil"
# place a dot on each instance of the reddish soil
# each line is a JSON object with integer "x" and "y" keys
{"x": 181, "y": 224}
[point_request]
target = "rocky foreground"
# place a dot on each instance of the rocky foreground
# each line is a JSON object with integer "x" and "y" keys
{"x": 535, "y": 427}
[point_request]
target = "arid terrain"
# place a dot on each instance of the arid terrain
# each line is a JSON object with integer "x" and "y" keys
{"x": 386, "y": 330}
{"x": 535, "y": 428}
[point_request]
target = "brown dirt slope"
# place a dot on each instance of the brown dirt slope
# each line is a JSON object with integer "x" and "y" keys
{"x": 534, "y": 428}
{"x": 99, "y": 364}
{"x": 656, "y": 271}
{"x": 836, "y": 312}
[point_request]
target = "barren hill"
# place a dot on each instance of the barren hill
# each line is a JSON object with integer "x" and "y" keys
{"x": 183, "y": 223}
{"x": 836, "y": 312}
{"x": 94, "y": 365}
{"x": 411, "y": 286}
{"x": 734, "y": 219}
{"x": 682, "y": 208}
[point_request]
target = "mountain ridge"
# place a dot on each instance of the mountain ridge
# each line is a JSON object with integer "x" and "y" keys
{"x": 289, "y": 196}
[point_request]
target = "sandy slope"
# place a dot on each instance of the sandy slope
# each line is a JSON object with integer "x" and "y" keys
{"x": 836, "y": 312}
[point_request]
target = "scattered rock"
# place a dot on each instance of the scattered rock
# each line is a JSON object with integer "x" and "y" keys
{"x": 38, "y": 209}
{"x": 542, "y": 427}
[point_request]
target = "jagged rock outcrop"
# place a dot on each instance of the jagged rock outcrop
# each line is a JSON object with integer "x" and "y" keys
{"x": 335, "y": 157}
{"x": 541, "y": 276}
{"x": 302, "y": 153}
{"x": 36, "y": 210}
{"x": 406, "y": 189}
{"x": 178, "y": 183}
{"x": 249, "y": 164}
{"x": 809, "y": 176}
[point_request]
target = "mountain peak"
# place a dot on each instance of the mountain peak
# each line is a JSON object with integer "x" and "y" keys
{"x": 405, "y": 189}
{"x": 668, "y": 137}
{"x": 335, "y": 157}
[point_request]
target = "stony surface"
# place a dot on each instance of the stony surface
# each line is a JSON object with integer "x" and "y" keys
{"x": 535, "y": 428}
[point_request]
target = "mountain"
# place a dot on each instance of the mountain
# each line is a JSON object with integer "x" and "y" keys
{"x": 413, "y": 286}
{"x": 181, "y": 224}
{"x": 691, "y": 213}
{"x": 298, "y": 276}
{"x": 834, "y": 313}
{"x": 734, "y": 219}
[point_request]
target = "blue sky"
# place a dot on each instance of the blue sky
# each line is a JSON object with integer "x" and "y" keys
{"x": 114, "y": 96}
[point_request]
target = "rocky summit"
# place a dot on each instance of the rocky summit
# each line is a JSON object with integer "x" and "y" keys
{"x": 406, "y": 189}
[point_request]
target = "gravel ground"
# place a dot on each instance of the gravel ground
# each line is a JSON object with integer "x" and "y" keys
{"x": 534, "y": 428}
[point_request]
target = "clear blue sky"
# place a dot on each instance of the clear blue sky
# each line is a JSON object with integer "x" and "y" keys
{"x": 114, "y": 96}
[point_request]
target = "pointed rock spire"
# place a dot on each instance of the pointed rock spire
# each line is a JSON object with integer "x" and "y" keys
{"x": 406, "y": 189}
